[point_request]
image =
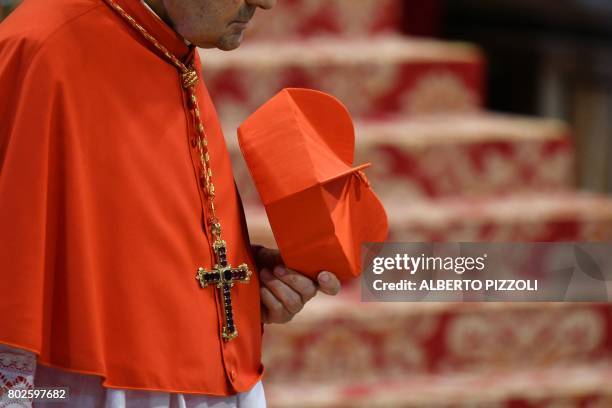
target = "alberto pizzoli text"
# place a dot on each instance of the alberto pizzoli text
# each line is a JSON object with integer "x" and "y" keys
{"x": 456, "y": 265}
{"x": 451, "y": 285}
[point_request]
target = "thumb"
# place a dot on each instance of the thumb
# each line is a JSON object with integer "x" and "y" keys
{"x": 328, "y": 283}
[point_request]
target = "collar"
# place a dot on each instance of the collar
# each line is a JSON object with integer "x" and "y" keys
{"x": 156, "y": 15}
{"x": 150, "y": 9}
{"x": 143, "y": 14}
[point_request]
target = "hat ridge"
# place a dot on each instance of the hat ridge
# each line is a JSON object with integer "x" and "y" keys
{"x": 328, "y": 118}
{"x": 330, "y": 153}
{"x": 346, "y": 159}
{"x": 317, "y": 153}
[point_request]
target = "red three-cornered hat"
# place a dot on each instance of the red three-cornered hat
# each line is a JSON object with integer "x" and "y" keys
{"x": 299, "y": 149}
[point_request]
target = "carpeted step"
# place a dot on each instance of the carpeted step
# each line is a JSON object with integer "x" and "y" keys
{"x": 582, "y": 386}
{"x": 373, "y": 77}
{"x": 342, "y": 18}
{"x": 439, "y": 156}
{"x": 344, "y": 341}
{"x": 529, "y": 217}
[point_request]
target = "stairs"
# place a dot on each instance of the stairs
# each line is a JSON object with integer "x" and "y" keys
{"x": 298, "y": 19}
{"x": 442, "y": 355}
{"x": 446, "y": 170}
{"x": 435, "y": 156}
{"x": 427, "y": 338}
{"x": 527, "y": 217}
{"x": 340, "y": 353}
{"x": 466, "y": 154}
{"x": 577, "y": 386}
{"x": 373, "y": 77}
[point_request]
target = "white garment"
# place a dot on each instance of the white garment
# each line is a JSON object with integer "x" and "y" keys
{"x": 18, "y": 370}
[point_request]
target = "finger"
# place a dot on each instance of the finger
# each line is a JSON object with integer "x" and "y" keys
{"x": 301, "y": 284}
{"x": 273, "y": 309}
{"x": 269, "y": 258}
{"x": 328, "y": 283}
{"x": 290, "y": 299}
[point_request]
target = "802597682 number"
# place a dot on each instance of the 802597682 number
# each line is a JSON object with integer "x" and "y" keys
{"x": 58, "y": 393}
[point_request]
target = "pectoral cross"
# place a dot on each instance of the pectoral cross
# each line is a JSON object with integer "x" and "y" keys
{"x": 224, "y": 277}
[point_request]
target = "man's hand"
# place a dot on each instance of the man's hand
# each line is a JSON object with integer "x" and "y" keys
{"x": 284, "y": 292}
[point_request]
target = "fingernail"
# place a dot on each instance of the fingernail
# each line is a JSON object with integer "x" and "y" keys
{"x": 280, "y": 271}
{"x": 324, "y": 277}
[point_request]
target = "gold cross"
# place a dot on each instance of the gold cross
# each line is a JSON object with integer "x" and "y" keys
{"x": 224, "y": 277}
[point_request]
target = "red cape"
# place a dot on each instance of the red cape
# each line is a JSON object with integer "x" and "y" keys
{"x": 100, "y": 210}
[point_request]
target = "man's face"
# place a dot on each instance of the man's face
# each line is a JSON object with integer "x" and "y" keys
{"x": 213, "y": 23}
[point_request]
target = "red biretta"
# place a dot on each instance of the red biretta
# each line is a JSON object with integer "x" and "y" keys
{"x": 299, "y": 148}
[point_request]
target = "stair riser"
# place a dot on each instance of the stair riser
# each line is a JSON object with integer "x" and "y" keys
{"x": 412, "y": 171}
{"x": 561, "y": 218}
{"x": 522, "y": 218}
{"x": 346, "y": 345}
{"x": 457, "y": 155}
{"x": 370, "y": 89}
{"x": 308, "y": 18}
{"x": 540, "y": 399}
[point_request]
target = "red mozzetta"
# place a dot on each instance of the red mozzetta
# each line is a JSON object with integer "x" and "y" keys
{"x": 102, "y": 211}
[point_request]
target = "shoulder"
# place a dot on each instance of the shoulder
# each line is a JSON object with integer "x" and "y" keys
{"x": 46, "y": 27}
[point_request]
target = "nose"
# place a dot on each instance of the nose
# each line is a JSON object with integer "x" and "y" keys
{"x": 264, "y": 4}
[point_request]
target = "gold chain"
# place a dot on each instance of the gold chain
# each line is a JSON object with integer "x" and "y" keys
{"x": 189, "y": 77}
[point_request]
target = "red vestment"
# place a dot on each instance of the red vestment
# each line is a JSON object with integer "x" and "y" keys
{"x": 101, "y": 212}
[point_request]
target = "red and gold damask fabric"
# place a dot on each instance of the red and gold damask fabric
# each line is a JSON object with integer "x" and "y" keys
{"x": 309, "y": 18}
{"x": 441, "y": 354}
{"x": 353, "y": 344}
{"x": 521, "y": 217}
{"x": 373, "y": 77}
{"x": 101, "y": 214}
{"x": 467, "y": 155}
{"x": 438, "y": 156}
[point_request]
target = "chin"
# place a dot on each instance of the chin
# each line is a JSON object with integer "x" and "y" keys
{"x": 229, "y": 42}
{"x": 225, "y": 43}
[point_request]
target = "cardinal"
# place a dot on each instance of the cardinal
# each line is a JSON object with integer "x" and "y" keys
{"x": 126, "y": 270}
